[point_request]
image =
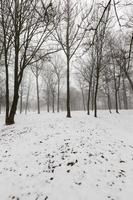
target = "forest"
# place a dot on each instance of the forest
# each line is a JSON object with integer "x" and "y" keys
{"x": 53, "y": 52}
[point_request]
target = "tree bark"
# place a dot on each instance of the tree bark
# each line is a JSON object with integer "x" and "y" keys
{"x": 68, "y": 88}
{"x": 95, "y": 96}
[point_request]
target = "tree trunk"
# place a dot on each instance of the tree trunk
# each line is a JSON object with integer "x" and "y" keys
{"x": 21, "y": 99}
{"x": 53, "y": 102}
{"x": 109, "y": 103}
{"x": 129, "y": 79}
{"x": 125, "y": 95}
{"x": 58, "y": 97}
{"x": 88, "y": 100}
{"x": 37, "y": 90}
{"x": 10, "y": 118}
{"x": 83, "y": 98}
{"x": 108, "y": 97}
{"x": 47, "y": 100}
{"x": 68, "y": 89}
{"x": 116, "y": 101}
{"x": 96, "y": 93}
{"x": 119, "y": 98}
{"x": 7, "y": 88}
{"x": 92, "y": 96}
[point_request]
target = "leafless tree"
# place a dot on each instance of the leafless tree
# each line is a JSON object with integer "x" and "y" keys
{"x": 70, "y": 34}
{"x": 26, "y": 25}
{"x": 58, "y": 67}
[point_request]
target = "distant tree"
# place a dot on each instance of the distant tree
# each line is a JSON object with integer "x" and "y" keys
{"x": 58, "y": 68}
{"x": 36, "y": 70}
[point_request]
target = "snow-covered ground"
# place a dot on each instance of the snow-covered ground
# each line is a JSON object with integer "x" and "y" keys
{"x": 50, "y": 157}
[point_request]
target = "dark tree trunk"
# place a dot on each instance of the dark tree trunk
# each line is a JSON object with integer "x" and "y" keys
{"x": 10, "y": 118}
{"x": 109, "y": 103}
{"x": 68, "y": 89}
{"x": 116, "y": 101}
{"x": 7, "y": 88}
{"x": 96, "y": 93}
{"x": 21, "y": 100}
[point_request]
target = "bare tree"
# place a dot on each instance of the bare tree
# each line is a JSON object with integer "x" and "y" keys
{"x": 36, "y": 70}
{"x": 58, "y": 67}
{"x": 26, "y": 25}
{"x": 70, "y": 34}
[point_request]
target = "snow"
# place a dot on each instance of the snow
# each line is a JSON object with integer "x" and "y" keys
{"x": 49, "y": 156}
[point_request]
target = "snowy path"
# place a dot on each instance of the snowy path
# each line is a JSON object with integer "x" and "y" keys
{"x": 50, "y": 157}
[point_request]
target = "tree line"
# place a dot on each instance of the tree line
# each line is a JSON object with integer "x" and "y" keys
{"x": 62, "y": 41}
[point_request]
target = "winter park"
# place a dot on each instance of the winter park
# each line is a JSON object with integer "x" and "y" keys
{"x": 66, "y": 100}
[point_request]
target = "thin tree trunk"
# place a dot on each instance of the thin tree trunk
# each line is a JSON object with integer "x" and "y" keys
{"x": 58, "y": 97}
{"x": 68, "y": 89}
{"x": 53, "y": 100}
{"x": 119, "y": 99}
{"x": 116, "y": 101}
{"x": 83, "y": 98}
{"x": 47, "y": 100}
{"x": 108, "y": 96}
{"x": 109, "y": 103}
{"x": 88, "y": 100}
{"x": 129, "y": 79}
{"x": 96, "y": 93}
{"x": 92, "y": 96}
{"x": 95, "y": 98}
{"x": 37, "y": 90}
{"x": 125, "y": 95}
{"x": 21, "y": 99}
